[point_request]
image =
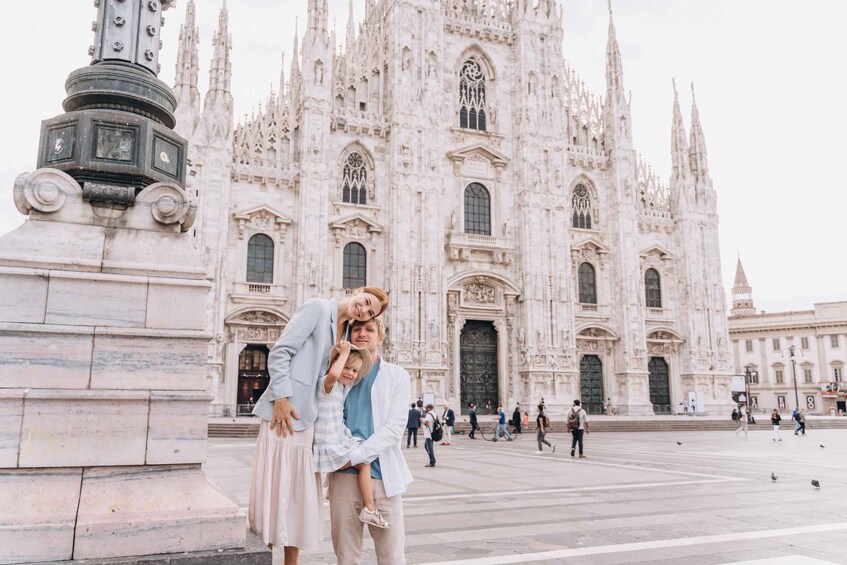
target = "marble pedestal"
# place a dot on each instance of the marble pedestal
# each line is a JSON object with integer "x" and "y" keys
{"x": 103, "y": 396}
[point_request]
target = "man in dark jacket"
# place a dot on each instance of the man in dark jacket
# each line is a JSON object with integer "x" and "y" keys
{"x": 472, "y": 418}
{"x": 516, "y": 418}
{"x": 412, "y": 425}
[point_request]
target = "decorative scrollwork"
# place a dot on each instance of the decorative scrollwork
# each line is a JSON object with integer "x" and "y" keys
{"x": 169, "y": 204}
{"x": 44, "y": 190}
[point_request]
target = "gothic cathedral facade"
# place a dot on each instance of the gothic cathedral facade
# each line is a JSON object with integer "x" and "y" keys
{"x": 448, "y": 153}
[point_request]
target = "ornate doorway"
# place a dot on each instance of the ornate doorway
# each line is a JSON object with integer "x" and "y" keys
{"x": 591, "y": 384}
{"x": 478, "y": 366}
{"x": 660, "y": 394}
{"x": 253, "y": 377}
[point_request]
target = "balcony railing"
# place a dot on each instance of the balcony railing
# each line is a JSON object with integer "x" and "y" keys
{"x": 258, "y": 288}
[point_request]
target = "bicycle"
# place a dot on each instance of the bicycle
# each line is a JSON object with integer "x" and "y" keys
{"x": 489, "y": 431}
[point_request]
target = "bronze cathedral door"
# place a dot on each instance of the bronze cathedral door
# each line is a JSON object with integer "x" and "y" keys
{"x": 478, "y": 367}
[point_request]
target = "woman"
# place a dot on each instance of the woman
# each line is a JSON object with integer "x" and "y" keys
{"x": 775, "y": 420}
{"x": 285, "y": 493}
{"x": 542, "y": 424}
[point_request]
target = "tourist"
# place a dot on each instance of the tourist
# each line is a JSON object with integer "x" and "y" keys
{"x": 795, "y": 416}
{"x": 742, "y": 418}
{"x": 501, "y": 425}
{"x": 375, "y": 411}
{"x": 775, "y": 420}
{"x": 413, "y": 423}
{"x": 542, "y": 424}
{"x": 801, "y": 417}
{"x": 473, "y": 420}
{"x": 429, "y": 425}
{"x": 525, "y": 419}
{"x": 334, "y": 444}
{"x": 449, "y": 419}
{"x": 735, "y": 414}
{"x": 578, "y": 426}
{"x": 609, "y": 408}
{"x": 285, "y": 506}
{"x": 516, "y": 418}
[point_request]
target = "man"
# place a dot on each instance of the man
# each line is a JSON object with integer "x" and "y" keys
{"x": 516, "y": 418}
{"x": 579, "y": 429}
{"x": 795, "y": 415}
{"x": 448, "y": 418}
{"x": 429, "y": 425}
{"x": 501, "y": 425}
{"x": 474, "y": 423}
{"x": 375, "y": 411}
{"x": 412, "y": 425}
{"x": 801, "y": 418}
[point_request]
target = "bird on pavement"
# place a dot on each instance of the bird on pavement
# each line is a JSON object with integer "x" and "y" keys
{"x": 821, "y": 446}
{"x": 815, "y": 483}
{"x": 679, "y": 443}
{"x": 773, "y": 477}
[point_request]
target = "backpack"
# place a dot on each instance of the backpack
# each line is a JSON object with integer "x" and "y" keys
{"x": 573, "y": 420}
{"x": 437, "y": 431}
{"x": 546, "y": 422}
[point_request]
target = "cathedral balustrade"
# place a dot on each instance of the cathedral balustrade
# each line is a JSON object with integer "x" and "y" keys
{"x": 259, "y": 293}
{"x": 593, "y": 311}
{"x": 588, "y": 157}
{"x": 364, "y": 123}
{"x": 483, "y": 19}
{"x": 467, "y": 246}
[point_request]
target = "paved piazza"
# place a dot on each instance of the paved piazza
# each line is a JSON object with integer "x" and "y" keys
{"x": 637, "y": 498}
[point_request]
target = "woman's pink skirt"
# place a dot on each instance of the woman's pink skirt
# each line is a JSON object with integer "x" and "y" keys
{"x": 285, "y": 508}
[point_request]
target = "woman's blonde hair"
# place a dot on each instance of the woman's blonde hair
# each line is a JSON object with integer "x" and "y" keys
{"x": 380, "y": 295}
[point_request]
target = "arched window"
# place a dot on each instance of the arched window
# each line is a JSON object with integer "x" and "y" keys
{"x": 581, "y": 204}
{"x": 355, "y": 179}
{"x": 260, "y": 259}
{"x": 355, "y": 266}
{"x": 472, "y": 101}
{"x": 477, "y": 210}
{"x": 587, "y": 284}
{"x": 653, "y": 288}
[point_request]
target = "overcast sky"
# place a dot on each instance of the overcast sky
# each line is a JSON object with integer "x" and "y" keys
{"x": 770, "y": 84}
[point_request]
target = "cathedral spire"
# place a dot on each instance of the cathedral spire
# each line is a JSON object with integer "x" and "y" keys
{"x": 187, "y": 64}
{"x": 614, "y": 66}
{"x": 351, "y": 30}
{"x": 742, "y": 294}
{"x": 282, "y": 79}
{"x": 220, "y": 71}
{"x": 699, "y": 156}
{"x": 318, "y": 17}
{"x": 679, "y": 143}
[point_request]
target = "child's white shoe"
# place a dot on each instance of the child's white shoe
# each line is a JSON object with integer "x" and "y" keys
{"x": 373, "y": 518}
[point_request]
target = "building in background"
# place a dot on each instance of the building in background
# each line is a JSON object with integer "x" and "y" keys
{"x": 447, "y": 152}
{"x": 792, "y": 357}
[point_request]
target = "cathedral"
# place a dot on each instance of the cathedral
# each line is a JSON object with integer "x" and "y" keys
{"x": 446, "y": 151}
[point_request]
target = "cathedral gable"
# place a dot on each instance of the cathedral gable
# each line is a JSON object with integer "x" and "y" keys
{"x": 478, "y": 161}
{"x": 262, "y": 218}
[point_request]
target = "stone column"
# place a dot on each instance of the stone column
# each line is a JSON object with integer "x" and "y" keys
{"x": 102, "y": 363}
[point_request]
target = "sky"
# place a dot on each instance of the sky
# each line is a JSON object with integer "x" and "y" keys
{"x": 770, "y": 84}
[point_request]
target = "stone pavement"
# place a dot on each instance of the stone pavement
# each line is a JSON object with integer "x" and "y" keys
{"x": 637, "y": 498}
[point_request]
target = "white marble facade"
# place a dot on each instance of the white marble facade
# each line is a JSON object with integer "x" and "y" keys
{"x": 378, "y": 143}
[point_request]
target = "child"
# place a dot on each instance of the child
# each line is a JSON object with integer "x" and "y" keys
{"x": 333, "y": 441}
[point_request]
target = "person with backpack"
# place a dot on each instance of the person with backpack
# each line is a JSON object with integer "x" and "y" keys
{"x": 795, "y": 416}
{"x": 432, "y": 428}
{"x": 578, "y": 426}
{"x": 542, "y": 424}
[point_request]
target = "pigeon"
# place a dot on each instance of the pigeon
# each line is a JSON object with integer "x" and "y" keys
{"x": 821, "y": 446}
{"x": 815, "y": 483}
{"x": 773, "y": 477}
{"x": 679, "y": 443}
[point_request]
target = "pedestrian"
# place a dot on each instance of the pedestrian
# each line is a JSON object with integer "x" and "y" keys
{"x": 795, "y": 416}
{"x": 448, "y": 417}
{"x": 501, "y": 425}
{"x": 609, "y": 410}
{"x": 802, "y": 418}
{"x": 525, "y": 419}
{"x": 413, "y": 423}
{"x": 373, "y": 412}
{"x": 473, "y": 420}
{"x": 735, "y": 414}
{"x": 516, "y": 419}
{"x": 742, "y": 418}
{"x": 542, "y": 402}
{"x": 578, "y": 426}
{"x": 542, "y": 424}
{"x": 429, "y": 425}
{"x": 775, "y": 420}
{"x": 250, "y": 405}
{"x": 285, "y": 507}
{"x": 334, "y": 449}
{"x": 420, "y": 404}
